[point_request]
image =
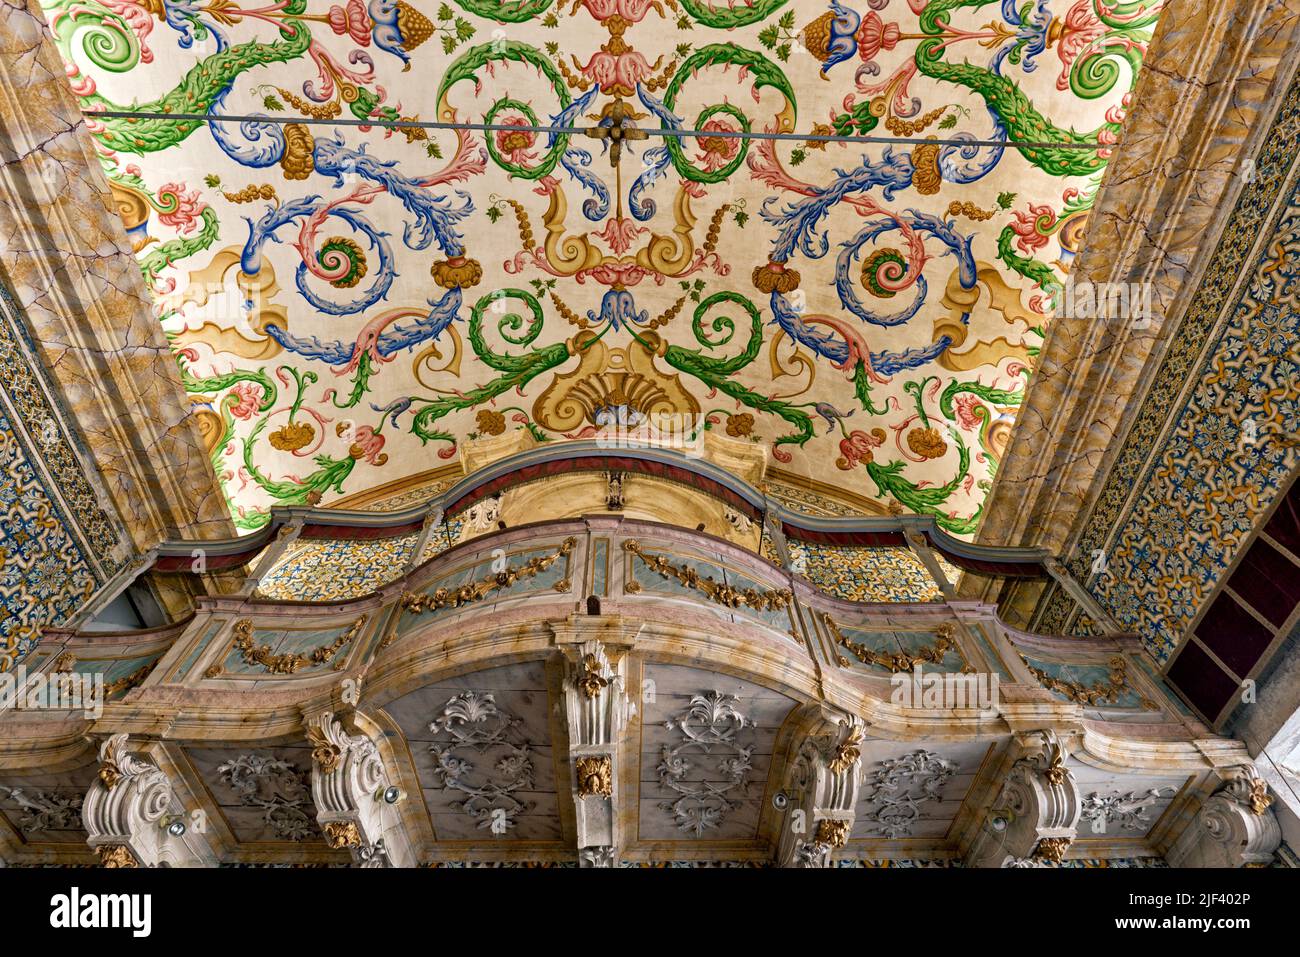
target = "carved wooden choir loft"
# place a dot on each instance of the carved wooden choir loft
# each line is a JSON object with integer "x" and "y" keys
{"x": 622, "y": 434}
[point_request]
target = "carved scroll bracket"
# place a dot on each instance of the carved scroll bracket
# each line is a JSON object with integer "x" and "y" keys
{"x": 597, "y": 710}
{"x": 356, "y": 799}
{"x": 134, "y": 817}
{"x": 821, "y": 792}
{"x": 1036, "y": 813}
{"x": 1236, "y": 826}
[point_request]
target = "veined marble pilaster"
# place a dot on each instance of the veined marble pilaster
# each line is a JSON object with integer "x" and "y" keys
{"x": 64, "y": 253}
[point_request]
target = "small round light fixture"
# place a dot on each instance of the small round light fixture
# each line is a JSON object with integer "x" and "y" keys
{"x": 999, "y": 824}
{"x": 780, "y": 800}
{"x": 391, "y": 794}
{"x": 176, "y": 828}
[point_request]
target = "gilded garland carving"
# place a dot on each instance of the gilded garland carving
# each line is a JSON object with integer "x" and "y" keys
{"x": 595, "y": 776}
{"x": 902, "y": 661}
{"x": 719, "y": 592}
{"x": 126, "y": 683}
{"x": 285, "y": 664}
{"x": 1094, "y": 694}
{"x": 477, "y": 591}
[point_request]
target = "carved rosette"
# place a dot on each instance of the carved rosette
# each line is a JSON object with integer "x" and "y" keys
{"x": 595, "y": 776}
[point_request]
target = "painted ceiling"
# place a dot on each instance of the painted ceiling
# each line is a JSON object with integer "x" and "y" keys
{"x": 349, "y": 304}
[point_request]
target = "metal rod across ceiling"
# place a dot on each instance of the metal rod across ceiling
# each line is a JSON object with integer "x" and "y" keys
{"x": 577, "y": 130}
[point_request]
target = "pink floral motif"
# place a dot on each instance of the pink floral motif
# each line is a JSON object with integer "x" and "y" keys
{"x": 633, "y": 11}
{"x": 857, "y": 448}
{"x": 188, "y": 206}
{"x": 619, "y": 73}
{"x": 1082, "y": 29}
{"x": 367, "y": 445}
{"x": 1031, "y": 226}
{"x": 620, "y": 234}
{"x": 249, "y": 396}
{"x": 354, "y": 21}
{"x": 516, "y": 145}
{"x": 718, "y": 150}
{"x": 969, "y": 411}
{"x": 875, "y": 35}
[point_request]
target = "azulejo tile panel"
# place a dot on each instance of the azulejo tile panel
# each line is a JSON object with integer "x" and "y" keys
{"x": 865, "y": 574}
{"x": 44, "y": 574}
{"x": 336, "y": 570}
{"x": 1231, "y": 440}
{"x": 348, "y": 301}
{"x": 56, "y": 541}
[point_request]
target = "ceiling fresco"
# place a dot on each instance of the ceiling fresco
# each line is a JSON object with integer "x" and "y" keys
{"x": 349, "y": 304}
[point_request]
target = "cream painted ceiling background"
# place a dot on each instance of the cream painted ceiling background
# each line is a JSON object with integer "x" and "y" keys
{"x": 350, "y": 303}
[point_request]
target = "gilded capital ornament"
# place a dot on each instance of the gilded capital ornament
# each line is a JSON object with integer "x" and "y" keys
{"x": 595, "y": 776}
{"x": 832, "y": 833}
{"x": 591, "y": 682}
{"x": 342, "y": 834}
{"x": 323, "y": 751}
{"x": 1053, "y": 849}
{"x": 846, "y": 752}
{"x": 116, "y": 855}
